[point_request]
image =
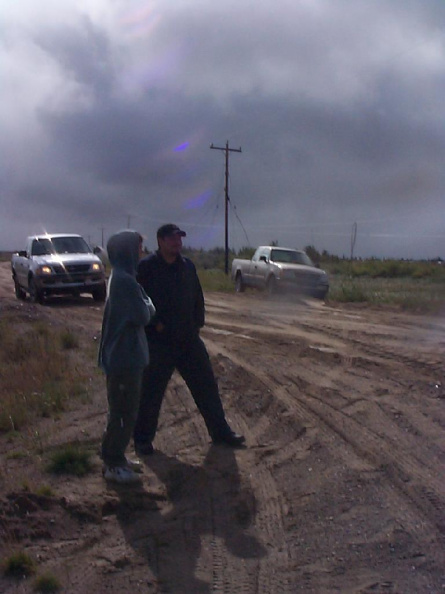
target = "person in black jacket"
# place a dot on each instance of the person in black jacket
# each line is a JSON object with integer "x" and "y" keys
{"x": 171, "y": 281}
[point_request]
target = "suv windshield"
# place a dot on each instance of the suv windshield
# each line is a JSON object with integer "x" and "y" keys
{"x": 290, "y": 257}
{"x": 60, "y": 245}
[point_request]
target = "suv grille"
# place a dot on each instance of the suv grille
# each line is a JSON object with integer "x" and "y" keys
{"x": 77, "y": 268}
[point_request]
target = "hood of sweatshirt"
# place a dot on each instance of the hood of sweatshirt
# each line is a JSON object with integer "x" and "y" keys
{"x": 123, "y": 250}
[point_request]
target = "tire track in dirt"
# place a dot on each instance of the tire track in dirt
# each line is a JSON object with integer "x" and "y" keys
{"x": 373, "y": 345}
{"x": 335, "y": 327}
{"x": 398, "y": 463}
{"x": 399, "y": 482}
{"x": 272, "y": 507}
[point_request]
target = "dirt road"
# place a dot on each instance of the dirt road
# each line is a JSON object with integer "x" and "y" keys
{"x": 341, "y": 487}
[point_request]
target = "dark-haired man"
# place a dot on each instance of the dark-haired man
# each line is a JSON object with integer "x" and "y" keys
{"x": 171, "y": 281}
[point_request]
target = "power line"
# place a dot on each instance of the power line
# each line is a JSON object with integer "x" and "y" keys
{"x": 239, "y": 221}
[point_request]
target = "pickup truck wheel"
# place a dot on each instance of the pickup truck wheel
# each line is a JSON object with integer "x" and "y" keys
{"x": 239, "y": 284}
{"x": 100, "y": 294}
{"x": 35, "y": 294}
{"x": 19, "y": 292}
{"x": 271, "y": 286}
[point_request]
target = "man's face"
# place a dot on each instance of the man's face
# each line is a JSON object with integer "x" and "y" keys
{"x": 170, "y": 245}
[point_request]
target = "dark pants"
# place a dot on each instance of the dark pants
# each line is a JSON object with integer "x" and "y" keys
{"x": 123, "y": 393}
{"x": 193, "y": 363}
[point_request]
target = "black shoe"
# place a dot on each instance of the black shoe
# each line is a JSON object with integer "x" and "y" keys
{"x": 144, "y": 448}
{"x": 232, "y": 439}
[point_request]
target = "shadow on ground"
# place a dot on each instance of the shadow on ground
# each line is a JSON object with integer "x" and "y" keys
{"x": 208, "y": 501}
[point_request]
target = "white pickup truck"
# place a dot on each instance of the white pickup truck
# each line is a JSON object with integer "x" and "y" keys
{"x": 278, "y": 268}
{"x": 57, "y": 264}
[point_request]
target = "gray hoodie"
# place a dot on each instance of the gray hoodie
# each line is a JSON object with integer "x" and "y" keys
{"x": 123, "y": 344}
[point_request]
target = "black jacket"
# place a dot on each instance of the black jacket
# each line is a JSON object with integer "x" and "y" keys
{"x": 177, "y": 295}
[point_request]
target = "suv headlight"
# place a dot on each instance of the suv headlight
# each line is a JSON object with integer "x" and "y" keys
{"x": 44, "y": 270}
{"x": 96, "y": 267}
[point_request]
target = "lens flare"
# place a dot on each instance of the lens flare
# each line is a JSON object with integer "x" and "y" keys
{"x": 141, "y": 22}
{"x": 198, "y": 201}
{"x": 182, "y": 147}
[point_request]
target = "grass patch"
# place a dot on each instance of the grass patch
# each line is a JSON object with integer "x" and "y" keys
{"x": 348, "y": 293}
{"x": 71, "y": 459}
{"x": 17, "y": 455}
{"x": 47, "y": 583}
{"x": 69, "y": 340}
{"x": 19, "y": 565}
{"x": 410, "y": 294}
{"x": 40, "y": 377}
{"x": 215, "y": 280}
{"x": 45, "y": 491}
{"x": 374, "y": 268}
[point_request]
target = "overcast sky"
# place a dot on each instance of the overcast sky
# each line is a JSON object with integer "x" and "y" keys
{"x": 109, "y": 108}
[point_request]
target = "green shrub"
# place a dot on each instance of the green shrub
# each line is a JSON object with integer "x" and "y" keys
{"x": 348, "y": 294}
{"x": 71, "y": 459}
{"x": 19, "y": 564}
{"x": 69, "y": 340}
{"x": 52, "y": 399}
{"x": 45, "y": 491}
{"x": 16, "y": 455}
{"x": 47, "y": 583}
{"x": 215, "y": 280}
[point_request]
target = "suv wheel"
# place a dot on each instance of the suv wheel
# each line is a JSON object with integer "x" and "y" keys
{"x": 239, "y": 284}
{"x": 35, "y": 294}
{"x": 100, "y": 294}
{"x": 19, "y": 292}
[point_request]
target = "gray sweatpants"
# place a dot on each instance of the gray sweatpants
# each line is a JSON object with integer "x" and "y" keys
{"x": 123, "y": 393}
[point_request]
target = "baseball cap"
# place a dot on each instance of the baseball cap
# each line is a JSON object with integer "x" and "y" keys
{"x": 170, "y": 229}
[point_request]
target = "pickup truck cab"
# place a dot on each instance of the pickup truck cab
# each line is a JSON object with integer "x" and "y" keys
{"x": 277, "y": 268}
{"x": 57, "y": 264}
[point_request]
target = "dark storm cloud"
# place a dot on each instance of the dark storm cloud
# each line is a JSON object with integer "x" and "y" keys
{"x": 337, "y": 107}
{"x": 82, "y": 52}
{"x": 120, "y": 142}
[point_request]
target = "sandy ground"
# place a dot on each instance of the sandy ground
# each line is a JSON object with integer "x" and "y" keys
{"x": 341, "y": 487}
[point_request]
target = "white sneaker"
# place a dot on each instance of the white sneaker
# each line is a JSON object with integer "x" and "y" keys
{"x": 135, "y": 465}
{"x": 120, "y": 474}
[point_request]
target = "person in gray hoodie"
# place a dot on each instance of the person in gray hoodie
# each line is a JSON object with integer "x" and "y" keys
{"x": 123, "y": 352}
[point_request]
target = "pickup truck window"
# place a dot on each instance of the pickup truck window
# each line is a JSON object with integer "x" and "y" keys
{"x": 59, "y": 245}
{"x": 290, "y": 257}
{"x": 40, "y": 247}
{"x": 261, "y": 254}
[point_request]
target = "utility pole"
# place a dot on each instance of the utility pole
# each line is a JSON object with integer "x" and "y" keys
{"x": 102, "y": 229}
{"x": 353, "y": 239}
{"x": 226, "y": 149}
